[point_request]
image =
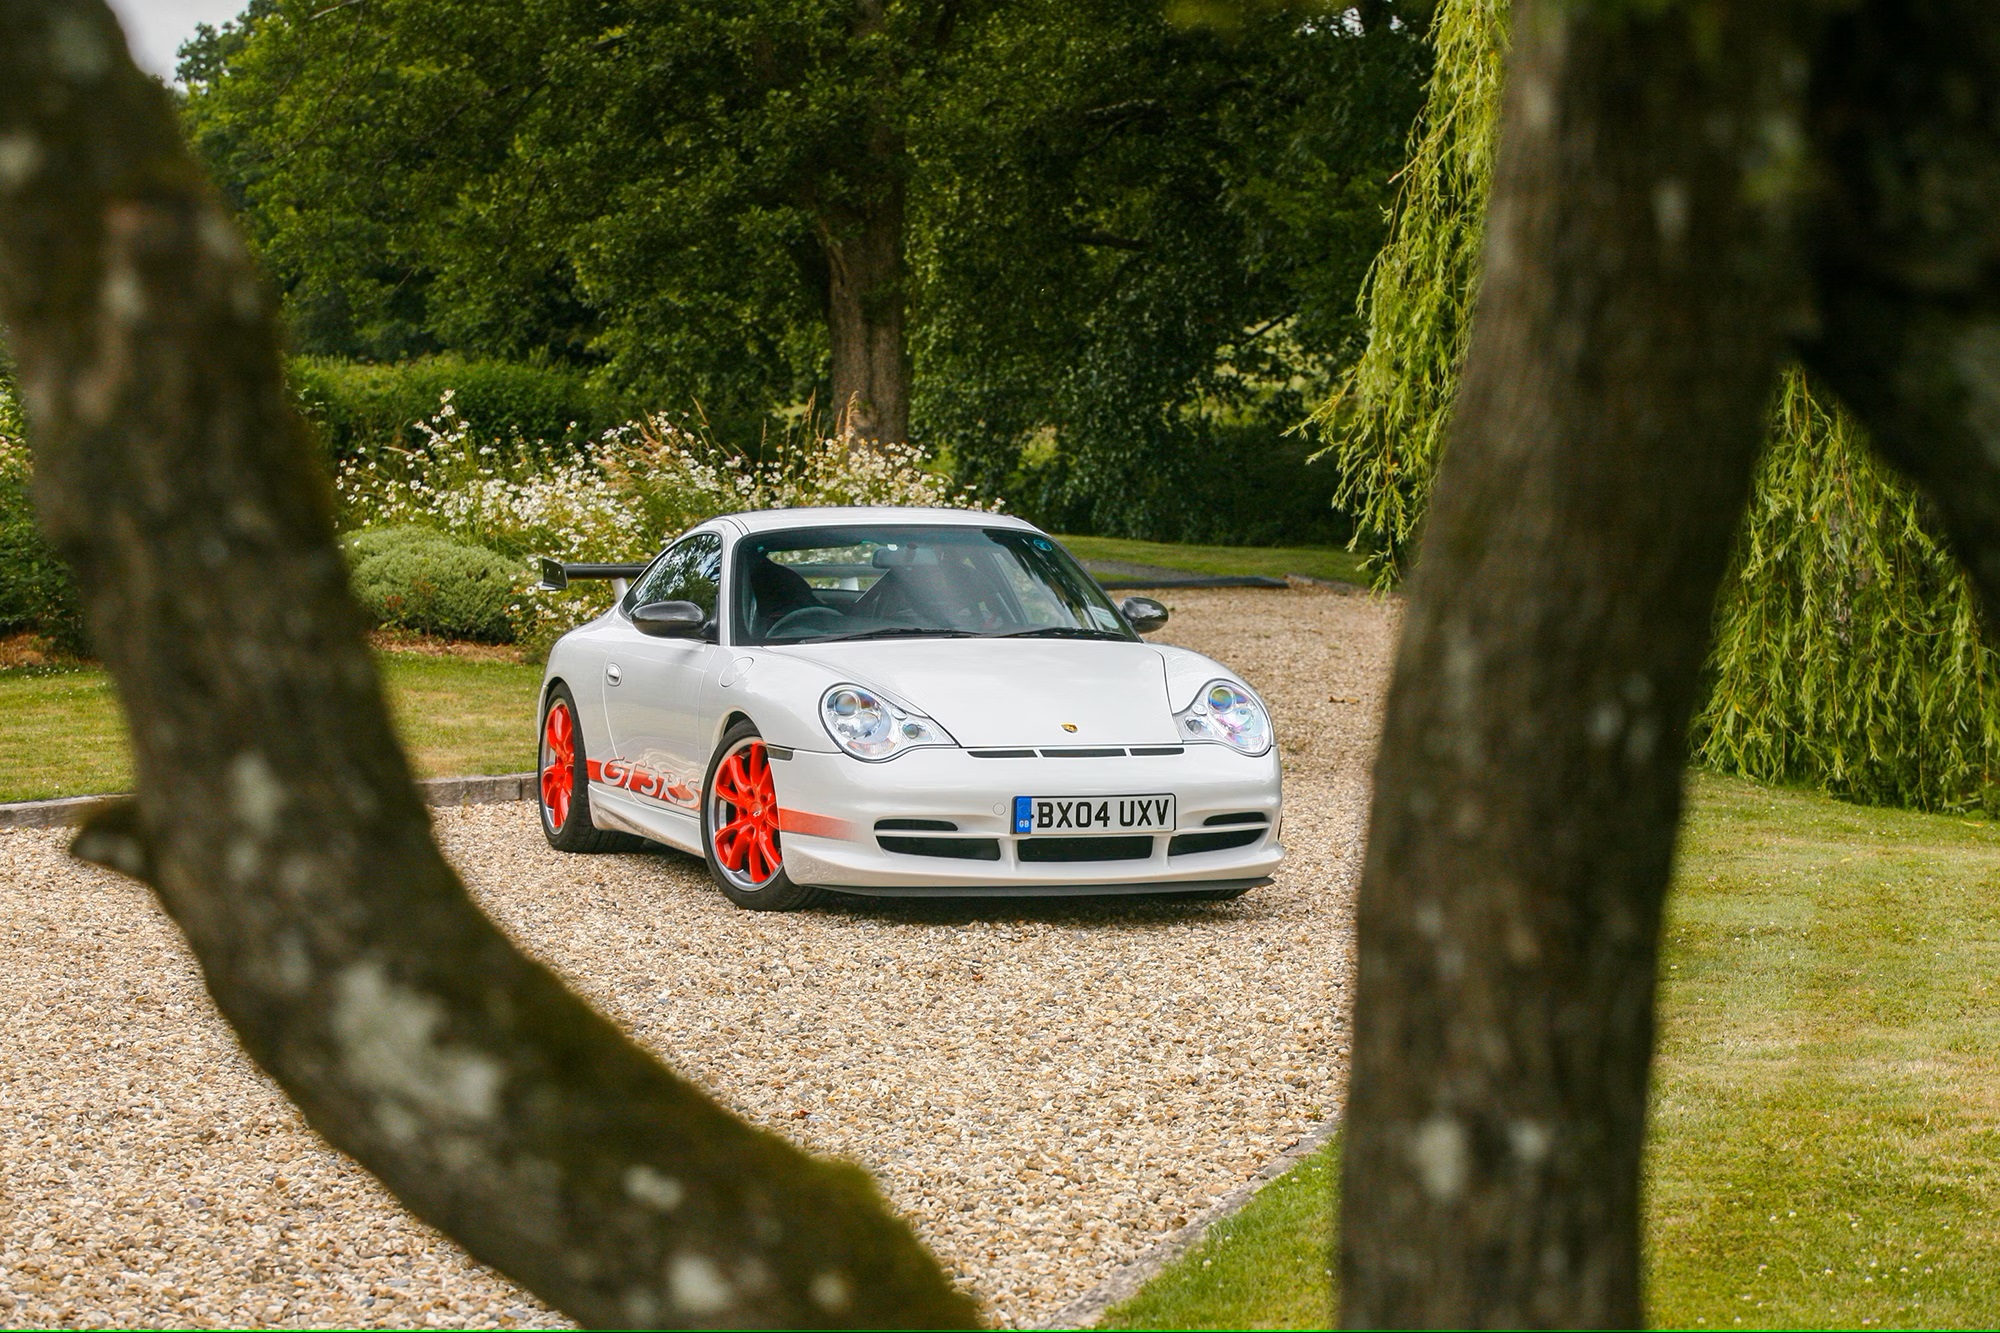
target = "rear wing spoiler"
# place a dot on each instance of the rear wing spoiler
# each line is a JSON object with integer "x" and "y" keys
{"x": 556, "y": 575}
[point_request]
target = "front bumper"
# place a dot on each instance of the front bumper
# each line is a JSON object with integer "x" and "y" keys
{"x": 832, "y": 805}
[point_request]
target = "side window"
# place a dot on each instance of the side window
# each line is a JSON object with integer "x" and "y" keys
{"x": 690, "y": 571}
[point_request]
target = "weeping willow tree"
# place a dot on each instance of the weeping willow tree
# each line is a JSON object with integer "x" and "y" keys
{"x": 1848, "y": 651}
{"x": 1386, "y": 419}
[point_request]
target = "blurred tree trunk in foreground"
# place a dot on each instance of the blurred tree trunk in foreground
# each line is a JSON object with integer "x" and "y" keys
{"x": 1686, "y": 194}
{"x": 275, "y": 815}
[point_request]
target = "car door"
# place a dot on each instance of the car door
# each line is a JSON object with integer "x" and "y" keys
{"x": 653, "y": 687}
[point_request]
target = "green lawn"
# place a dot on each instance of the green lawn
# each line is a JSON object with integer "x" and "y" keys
{"x": 1320, "y": 562}
{"x": 1266, "y": 1267}
{"x": 61, "y": 733}
{"x": 1825, "y": 1149}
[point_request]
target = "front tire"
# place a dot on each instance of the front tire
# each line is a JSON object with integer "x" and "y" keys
{"x": 563, "y": 776}
{"x": 739, "y": 827}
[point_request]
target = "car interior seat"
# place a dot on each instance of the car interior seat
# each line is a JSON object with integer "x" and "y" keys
{"x": 776, "y": 592}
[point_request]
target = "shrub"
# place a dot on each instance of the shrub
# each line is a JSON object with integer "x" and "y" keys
{"x": 622, "y": 497}
{"x": 362, "y": 409}
{"x": 1229, "y": 484}
{"x": 414, "y": 578}
{"x": 36, "y": 590}
{"x": 1849, "y": 651}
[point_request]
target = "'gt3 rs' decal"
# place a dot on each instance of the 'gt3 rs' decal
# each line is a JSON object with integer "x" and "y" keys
{"x": 662, "y": 787}
{"x": 643, "y": 781}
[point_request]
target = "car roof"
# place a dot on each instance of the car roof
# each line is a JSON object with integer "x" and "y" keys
{"x": 767, "y": 520}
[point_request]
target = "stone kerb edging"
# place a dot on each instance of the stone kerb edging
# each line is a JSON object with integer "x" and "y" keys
{"x": 1124, "y": 1282}
{"x": 72, "y": 810}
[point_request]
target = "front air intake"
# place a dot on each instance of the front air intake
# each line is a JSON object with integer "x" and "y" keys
{"x": 1186, "y": 844}
{"x": 1083, "y": 849}
{"x": 953, "y": 849}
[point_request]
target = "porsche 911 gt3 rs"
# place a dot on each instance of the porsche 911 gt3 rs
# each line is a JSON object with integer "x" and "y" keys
{"x": 901, "y": 702}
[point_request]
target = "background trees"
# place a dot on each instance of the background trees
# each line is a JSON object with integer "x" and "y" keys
{"x": 1077, "y": 233}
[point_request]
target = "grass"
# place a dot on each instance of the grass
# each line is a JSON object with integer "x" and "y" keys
{"x": 1320, "y": 562}
{"x": 1265, "y": 1267}
{"x": 61, "y": 732}
{"x": 1825, "y": 1144}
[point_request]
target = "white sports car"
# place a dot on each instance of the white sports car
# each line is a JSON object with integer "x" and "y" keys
{"x": 901, "y": 702}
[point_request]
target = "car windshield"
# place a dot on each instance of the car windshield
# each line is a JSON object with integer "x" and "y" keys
{"x": 821, "y": 585}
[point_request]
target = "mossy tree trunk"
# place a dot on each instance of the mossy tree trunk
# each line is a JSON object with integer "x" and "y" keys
{"x": 1686, "y": 196}
{"x": 275, "y": 815}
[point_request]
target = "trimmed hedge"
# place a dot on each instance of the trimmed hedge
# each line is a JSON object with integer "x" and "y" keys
{"x": 417, "y": 579}
{"x": 361, "y": 408}
{"x": 1221, "y": 484}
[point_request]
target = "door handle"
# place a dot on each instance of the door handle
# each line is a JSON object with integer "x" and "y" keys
{"x": 612, "y": 675}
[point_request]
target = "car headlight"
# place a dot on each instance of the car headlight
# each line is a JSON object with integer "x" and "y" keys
{"x": 1227, "y": 713}
{"x": 868, "y": 726}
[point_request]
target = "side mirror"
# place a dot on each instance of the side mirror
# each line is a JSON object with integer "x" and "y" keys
{"x": 1143, "y": 614}
{"x": 669, "y": 620}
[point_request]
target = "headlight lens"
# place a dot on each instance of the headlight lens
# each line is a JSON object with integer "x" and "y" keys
{"x": 868, "y": 726}
{"x": 1227, "y": 713}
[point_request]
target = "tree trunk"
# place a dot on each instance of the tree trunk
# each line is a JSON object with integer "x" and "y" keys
{"x": 1638, "y": 267}
{"x": 275, "y": 816}
{"x": 866, "y": 300}
{"x": 866, "y": 307}
{"x": 1680, "y": 189}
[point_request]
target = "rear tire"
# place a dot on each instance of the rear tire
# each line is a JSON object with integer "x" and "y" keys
{"x": 739, "y": 827}
{"x": 563, "y": 777}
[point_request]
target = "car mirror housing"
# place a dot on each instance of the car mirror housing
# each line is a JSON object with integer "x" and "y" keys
{"x": 1143, "y": 614}
{"x": 670, "y": 620}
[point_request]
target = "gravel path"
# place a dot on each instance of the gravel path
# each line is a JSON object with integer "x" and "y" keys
{"x": 1045, "y": 1089}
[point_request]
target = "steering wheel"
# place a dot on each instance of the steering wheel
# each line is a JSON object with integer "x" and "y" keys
{"x": 805, "y": 620}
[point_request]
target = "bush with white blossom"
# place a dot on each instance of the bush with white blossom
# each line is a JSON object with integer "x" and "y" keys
{"x": 621, "y": 498}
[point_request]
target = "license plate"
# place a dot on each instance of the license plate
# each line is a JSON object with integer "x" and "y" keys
{"x": 1034, "y": 815}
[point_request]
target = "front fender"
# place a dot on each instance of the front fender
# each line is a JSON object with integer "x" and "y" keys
{"x": 1187, "y": 671}
{"x": 779, "y": 694}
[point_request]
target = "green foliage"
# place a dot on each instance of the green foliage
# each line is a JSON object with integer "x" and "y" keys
{"x": 1139, "y": 262}
{"x": 1848, "y": 650}
{"x": 36, "y": 590}
{"x": 413, "y": 578}
{"x": 361, "y": 408}
{"x": 1132, "y": 242}
{"x": 1385, "y": 423}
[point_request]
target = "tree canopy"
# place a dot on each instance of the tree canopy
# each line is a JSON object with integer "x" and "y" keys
{"x": 1067, "y": 225}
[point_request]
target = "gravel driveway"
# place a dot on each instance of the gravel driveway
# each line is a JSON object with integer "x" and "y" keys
{"x": 1045, "y": 1089}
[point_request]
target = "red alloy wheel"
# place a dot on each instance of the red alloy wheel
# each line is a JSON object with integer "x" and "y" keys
{"x": 558, "y": 763}
{"x": 743, "y": 812}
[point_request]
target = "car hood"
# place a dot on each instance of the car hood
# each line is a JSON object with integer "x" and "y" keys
{"x": 1016, "y": 692}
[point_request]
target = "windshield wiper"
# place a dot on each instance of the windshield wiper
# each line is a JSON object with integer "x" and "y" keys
{"x": 1060, "y": 632}
{"x": 894, "y": 632}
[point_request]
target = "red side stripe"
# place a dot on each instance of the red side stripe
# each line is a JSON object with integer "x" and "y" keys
{"x": 819, "y": 826}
